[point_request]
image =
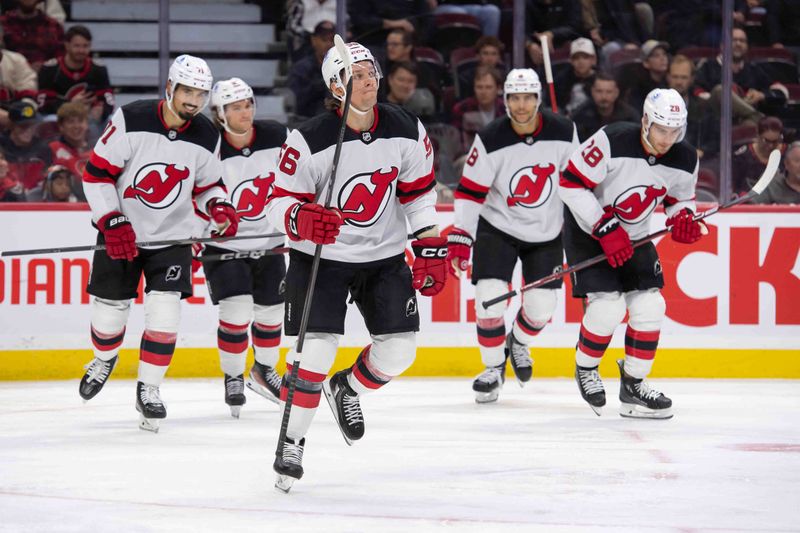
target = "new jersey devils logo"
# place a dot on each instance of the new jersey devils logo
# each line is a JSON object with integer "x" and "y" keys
{"x": 636, "y": 203}
{"x": 531, "y": 186}
{"x": 364, "y": 197}
{"x": 250, "y": 197}
{"x": 157, "y": 185}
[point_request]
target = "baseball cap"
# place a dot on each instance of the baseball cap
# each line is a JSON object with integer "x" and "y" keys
{"x": 57, "y": 171}
{"x": 324, "y": 28}
{"x": 650, "y": 46}
{"x": 581, "y": 45}
{"x": 23, "y": 112}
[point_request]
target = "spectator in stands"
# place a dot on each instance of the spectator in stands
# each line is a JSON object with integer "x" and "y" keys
{"x": 30, "y": 32}
{"x": 72, "y": 149}
{"x": 373, "y": 19}
{"x": 783, "y": 23}
{"x": 28, "y": 155}
{"x": 304, "y": 79}
{"x": 399, "y": 47}
{"x": 475, "y": 112}
{"x": 681, "y": 78}
{"x": 785, "y": 187}
{"x": 76, "y": 77}
{"x": 604, "y": 108}
{"x": 655, "y": 63}
{"x": 402, "y": 82}
{"x": 616, "y": 24}
{"x": 750, "y": 160}
{"x": 11, "y": 189}
{"x": 17, "y": 80}
{"x": 56, "y": 187}
{"x": 558, "y": 20}
{"x": 302, "y": 18}
{"x": 573, "y": 86}
{"x": 489, "y": 51}
{"x": 750, "y": 81}
{"x": 488, "y": 14}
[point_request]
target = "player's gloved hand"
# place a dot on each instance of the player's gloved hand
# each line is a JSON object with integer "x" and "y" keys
{"x": 429, "y": 271}
{"x": 119, "y": 235}
{"x": 684, "y": 228}
{"x": 224, "y": 216}
{"x": 459, "y": 247}
{"x": 613, "y": 239}
{"x": 197, "y": 249}
{"x": 312, "y": 222}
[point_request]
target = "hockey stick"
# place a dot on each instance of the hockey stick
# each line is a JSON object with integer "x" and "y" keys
{"x": 758, "y": 188}
{"x": 249, "y": 254}
{"x": 548, "y": 74}
{"x": 93, "y": 247}
{"x": 301, "y": 336}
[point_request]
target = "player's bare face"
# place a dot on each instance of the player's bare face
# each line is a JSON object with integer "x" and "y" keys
{"x": 662, "y": 138}
{"x": 522, "y": 106}
{"x": 365, "y": 85}
{"x": 188, "y": 101}
{"x": 239, "y": 115}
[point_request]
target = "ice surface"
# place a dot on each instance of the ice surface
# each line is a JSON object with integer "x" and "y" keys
{"x": 431, "y": 459}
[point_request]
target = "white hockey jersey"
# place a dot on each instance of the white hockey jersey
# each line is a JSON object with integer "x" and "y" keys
{"x": 612, "y": 171}
{"x": 511, "y": 180}
{"x": 151, "y": 173}
{"x": 385, "y": 176}
{"x": 249, "y": 174}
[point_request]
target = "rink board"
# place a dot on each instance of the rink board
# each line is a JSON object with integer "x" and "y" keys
{"x": 732, "y": 306}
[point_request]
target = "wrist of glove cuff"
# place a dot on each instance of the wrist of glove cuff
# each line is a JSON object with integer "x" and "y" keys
{"x": 607, "y": 224}
{"x": 291, "y": 221}
{"x": 112, "y": 220}
{"x": 460, "y": 237}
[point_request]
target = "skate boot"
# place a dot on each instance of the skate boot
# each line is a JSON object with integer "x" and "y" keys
{"x": 151, "y": 408}
{"x": 638, "y": 400}
{"x": 591, "y": 387}
{"x": 345, "y": 405}
{"x": 288, "y": 465}
{"x": 520, "y": 357}
{"x": 265, "y": 381}
{"x": 97, "y": 373}
{"x": 234, "y": 394}
{"x": 488, "y": 383}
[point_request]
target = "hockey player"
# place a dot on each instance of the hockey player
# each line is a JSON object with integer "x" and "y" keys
{"x": 246, "y": 286}
{"x": 385, "y": 178}
{"x": 611, "y": 187}
{"x": 154, "y": 159}
{"x": 507, "y": 205}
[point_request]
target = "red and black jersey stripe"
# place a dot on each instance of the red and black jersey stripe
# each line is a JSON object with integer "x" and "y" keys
{"x": 572, "y": 178}
{"x": 99, "y": 170}
{"x": 408, "y": 191}
{"x": 469, "y": 190}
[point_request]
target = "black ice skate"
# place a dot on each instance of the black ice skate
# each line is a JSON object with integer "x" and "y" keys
{"x": 234, "y": 394}
{"x": 345, "y": 405}
{"x": 151, "y": 408}
{"x": 520, "y": 358}
{"x": 638, "y": 400}
{"x": 265, "y": 381}
{"x": 591, "y": 387}
{"x": 97, "y": 373}
{"x": 288, "y": 465}
{"x": 488, "y": 383}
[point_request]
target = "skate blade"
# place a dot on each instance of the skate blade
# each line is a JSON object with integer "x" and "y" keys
{"x": 261, "y": 391}
{"x": 326, "y": 388}
{"x": 284, "y": 483}
{"x": 631, "y": 410}
{"x": 520, "y": 382}
{"x": 148, "y": 424}
{"x": 598, "y": 410}
{"x": 235, "y": 411}
{"x": 486, "y": 397}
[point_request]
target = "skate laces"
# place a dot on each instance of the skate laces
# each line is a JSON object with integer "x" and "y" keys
{"x": 490, "y": 375}
{"x": 590, "y": 381}
{"x": 520, "y": 353}
{"x": 98, "y": 370}
{"x": 352, "y": 408}
{"x": 292, "y": 453}
{"x": 234, "y": 386}
{"x": 150, "y": 395}
{"x": 644, "y": 390}
{"x": 272, "y": 378}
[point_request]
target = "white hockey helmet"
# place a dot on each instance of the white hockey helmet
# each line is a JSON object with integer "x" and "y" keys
{"x": 522, "y": 80}
{"x": 667, "y": 108}
{"x": 333, "y": 65}
{"x": 192, "y": 72}
{"x": 227, "y": 92}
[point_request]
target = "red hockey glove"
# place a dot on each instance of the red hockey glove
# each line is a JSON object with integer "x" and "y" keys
{"x": 459, "y": 247}
{"x": 312, "y": 222}
{"x": 429, "y": 272}
{"x": 613, "y": 239}
{"x": 197, "y": 250}
{"x": 119, "y": 235}
{"x": 684, "y": 228}
{"x": 224, "y": 216}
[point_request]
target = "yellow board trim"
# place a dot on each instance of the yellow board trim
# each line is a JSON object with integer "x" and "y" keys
{"x": 431, "y": 362}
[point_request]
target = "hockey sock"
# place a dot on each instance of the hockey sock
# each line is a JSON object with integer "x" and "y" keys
{"x": 155, "y": 354}
{"x": 525, "y": 329}
{"x": 106, "y": 345}
{"x": 266, "y": 340}
{"x": 640, "y": 350}
{"x": 232, "y": 342}
{"x": 591, "y": 348}
{"x": 491, "y": 338}
{"x": 363, "y": 376}
{"x": 307, "y": 391}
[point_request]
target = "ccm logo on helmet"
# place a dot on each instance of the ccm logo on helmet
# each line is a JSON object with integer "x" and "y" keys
{"x": 430, "y": 253}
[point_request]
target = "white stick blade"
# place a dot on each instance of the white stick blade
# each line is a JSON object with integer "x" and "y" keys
{"x": 769, "y": 172}
{"x": 341, "y": 47}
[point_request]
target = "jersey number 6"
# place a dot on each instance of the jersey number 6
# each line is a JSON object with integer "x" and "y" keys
{"x": 288, "y": 164}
